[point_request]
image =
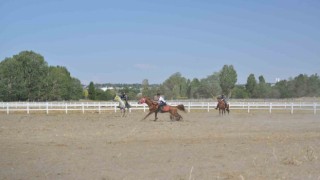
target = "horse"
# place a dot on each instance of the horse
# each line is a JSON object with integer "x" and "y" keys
{"x": 153, "y": 108}
{"x": 122, "y": 105}
{"x": 223, "y": 107}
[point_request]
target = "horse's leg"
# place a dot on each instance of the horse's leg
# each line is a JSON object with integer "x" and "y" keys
{"x": 178, "y": 116}
{"x": 123, "y": 111}
{"x": 155, "y": 115}
{"x": 228, "y": 109}
{"x": 150, "y": 112}
{"x": 128, "y": 110}
{"x": 172, "y": 115}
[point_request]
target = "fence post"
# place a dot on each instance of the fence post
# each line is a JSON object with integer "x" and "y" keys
{"x": 66, "y": 108}
{"x": 270, "y": 108}
{"x": 7, "y": 108}
{"x": 47, "y": 107}
{"x": 115, "y": 108}
{"x": 189, "y": 106}
{"x": 315, "y": 108}
{"x": 291, "y": 108}
{"x": 27, "y": 107}
{"x": 99, "y": 107}
{"x": 248, "y": 107}
{"x": 82, "y": 108}
{"x": 208, "y": 107}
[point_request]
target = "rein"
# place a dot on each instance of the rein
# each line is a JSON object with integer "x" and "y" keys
{"x": 150, "y": 103}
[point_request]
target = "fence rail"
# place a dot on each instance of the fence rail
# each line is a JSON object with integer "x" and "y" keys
{"x": 47, "y": 107}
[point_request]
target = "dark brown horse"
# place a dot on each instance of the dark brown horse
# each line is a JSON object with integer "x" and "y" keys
{"x": 223, "y": 107}
{"x": 153, "y": 108}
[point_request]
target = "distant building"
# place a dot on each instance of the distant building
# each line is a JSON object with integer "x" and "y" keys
{"x": 106, "y": 88}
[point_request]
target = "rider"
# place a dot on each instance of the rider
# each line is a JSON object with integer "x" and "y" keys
{"x": 223, "y": 97}
{"x": 161, "y": 102}
{"x": 125, "y": 98}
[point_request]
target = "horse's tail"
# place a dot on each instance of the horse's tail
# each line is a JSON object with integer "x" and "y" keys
{"x": 181, "y": 107}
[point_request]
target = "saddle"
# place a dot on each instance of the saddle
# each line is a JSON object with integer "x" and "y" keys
{"x": 223, "y": 100}
{"x": 165, "y": 108}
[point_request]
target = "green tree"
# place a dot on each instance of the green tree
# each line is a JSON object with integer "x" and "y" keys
{"x": 75, "y": 89}
{"x": 300, "y": 85}
{"x": 175, "y": 86}
{"x": 57, "y": 83}
{"x": 262, "y": 88}
{"x": 228, "y": 79}
{"x": 27, "y": 77}
{"x": 61, "y": 86}
{"x": 282, "y": 88}
{"x": 34, "y": 70}
{"x": 239, "y": 92}
{"x": 91, "y": 91}
{"x": 12, "y": 84}
{"x": 145, "y": 88}
{"x": 23, "y": 77}
{"x": 314, "y": 85}
{"x": 251, "y": 85}
{"x": 193, "y": 89}
{"x": 101, "y": 95}
{"x": 210, "y": 86}
{"x": 85, "y": 93}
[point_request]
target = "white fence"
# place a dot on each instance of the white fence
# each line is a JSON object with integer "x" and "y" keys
{"x": 100, "y": 107}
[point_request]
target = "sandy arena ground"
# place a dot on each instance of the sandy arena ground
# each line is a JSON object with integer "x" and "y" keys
{"x": 104, "y": 146}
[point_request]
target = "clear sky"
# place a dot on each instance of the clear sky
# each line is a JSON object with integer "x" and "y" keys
{"x": 127, "y": 41}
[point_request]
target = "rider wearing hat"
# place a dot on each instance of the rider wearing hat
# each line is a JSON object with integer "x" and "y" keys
{"x": 161, "y": 102}
{"x": 223, "y": 97}
{"x": 125, "y": 98}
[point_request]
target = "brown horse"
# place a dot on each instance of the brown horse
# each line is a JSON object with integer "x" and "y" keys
{"x": 223, "y": 107}
{"x": 153, "y": 108}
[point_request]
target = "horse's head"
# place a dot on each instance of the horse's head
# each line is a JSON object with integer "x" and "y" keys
{"x": 117, "y": 98}
{"x": 142, "y": 100}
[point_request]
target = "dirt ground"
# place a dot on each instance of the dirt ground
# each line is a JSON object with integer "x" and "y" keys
{"x": 203, "y": 145}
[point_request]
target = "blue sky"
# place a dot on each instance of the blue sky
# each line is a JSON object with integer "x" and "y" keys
{"x": 128, "y": 41}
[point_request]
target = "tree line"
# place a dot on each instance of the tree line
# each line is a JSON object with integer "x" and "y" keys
{"x": 224, "y": 82}
{"x": 175, "y": 87}
{"x": 299, "y": 86}
{"x": 27, "y": 77}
